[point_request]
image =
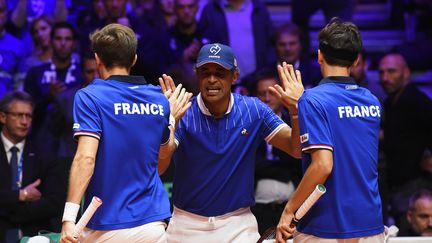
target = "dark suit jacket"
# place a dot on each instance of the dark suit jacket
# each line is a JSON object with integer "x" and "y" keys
{"x": 30, "y": 217}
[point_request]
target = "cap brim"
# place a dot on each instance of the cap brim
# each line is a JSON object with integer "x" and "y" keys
{"x": 224, "y": 65}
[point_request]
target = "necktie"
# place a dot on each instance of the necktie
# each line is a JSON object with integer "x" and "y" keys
{"x": 14, "y": 167}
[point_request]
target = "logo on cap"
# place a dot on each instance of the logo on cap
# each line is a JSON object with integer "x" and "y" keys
{"x": 215, "y": 49}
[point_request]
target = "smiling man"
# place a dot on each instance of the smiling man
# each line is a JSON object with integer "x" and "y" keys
{"x": 215, "y": 151}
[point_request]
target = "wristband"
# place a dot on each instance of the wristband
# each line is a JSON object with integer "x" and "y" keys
{"x": 70, "y": 212}
{"x": 172, "y": 121}
{"x": 25, "y": 194}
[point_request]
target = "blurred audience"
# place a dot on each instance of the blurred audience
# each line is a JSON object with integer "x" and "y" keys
{"x": 406, "y": 122}
{"x": 417, "y": 15}
{"x": 25, "y": 11}
{"x": 246, "y": 27}
{"x": 400, "y": 200}
{"x": 185, "y": 41}
{"x": 12, "y": 64}
{"x": 419, "y": 215}
{"x": 167, "y": 7}
{"x": 186, "y": 38}
{"x": 170, "y": 34}
{"x": 40, "y": 30}
{"x": 93, "y": 14}
{"x": 302, "y": 10}
{"x": 288, "y": 49}
{"x": 53, "y": 86}
{"x": 277, "y": 174}
{"x": 30, "y": 193}
{"x": 89, "y": 68}
{"x": 359, "y": 73}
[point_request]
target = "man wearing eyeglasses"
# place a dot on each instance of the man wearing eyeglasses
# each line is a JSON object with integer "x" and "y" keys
{"x": 30, "y": 195}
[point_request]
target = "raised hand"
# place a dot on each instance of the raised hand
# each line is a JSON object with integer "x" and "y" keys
{"x": 292, "y": 87}
{"x": 167, "y": 85}
{"x": 179, "y": 99}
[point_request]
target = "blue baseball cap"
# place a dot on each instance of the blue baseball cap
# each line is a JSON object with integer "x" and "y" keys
{"x": 217, "y": 53}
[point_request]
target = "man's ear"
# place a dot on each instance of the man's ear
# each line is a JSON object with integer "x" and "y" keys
{"x": 320, "y": 57}
{"x": 98, "y": 60}
{"x": 409, "y": 216}
{"x": 134, "y": 61}
{"x": 2, "y": 117}
{"x": 356, "y": 62}
{"x": 236, "y": 75}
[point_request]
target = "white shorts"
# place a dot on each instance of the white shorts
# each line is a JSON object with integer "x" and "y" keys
{"x": 153, "y": 232}
{"x": 304, "y": 238}
{"x": 238, "y": 226}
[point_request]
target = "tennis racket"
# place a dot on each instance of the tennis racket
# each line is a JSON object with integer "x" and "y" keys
{"x": 270, "y": 234}
{"x": 85, "y": 218}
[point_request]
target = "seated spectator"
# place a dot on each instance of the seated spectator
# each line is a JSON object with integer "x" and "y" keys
{"x": 11, "y": 56}
{"x": 245, "y": 25}
{"x": 89, "y": 68}
{"x": 277, "y": 174}
{"x": 115, "y": 9}
{"x": 152, "y": 50}
{"x": 40, "y": 30}
{"x": 419, "y": 215}
{"x": 53, "y": 86}
{"x": 359, "y": 73}
{"x": 186, "y": 39}
{"x": 406, "y": 122}
{"x": 289, "y": 48}
{"x": 23, "y": 12}
{"x": 144, "y": 9}
{"x": 167, "y": 7}
{"x": 30, "y": 195}
{"x": 399, "y": 203}
{"x": 94, "y": 14}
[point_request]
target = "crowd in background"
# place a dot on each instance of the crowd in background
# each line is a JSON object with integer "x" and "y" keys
{"x": 45, "y": 51}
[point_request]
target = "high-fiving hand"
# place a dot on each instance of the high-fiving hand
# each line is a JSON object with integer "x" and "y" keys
{"x": 292, "y": 87}
{"x": 178, "y": 97}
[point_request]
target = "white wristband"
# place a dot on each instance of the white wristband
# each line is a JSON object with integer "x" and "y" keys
{"x": 172, "y": 121}
{"x": 70, "y": 212}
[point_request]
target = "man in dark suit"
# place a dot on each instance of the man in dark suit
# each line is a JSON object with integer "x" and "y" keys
{"x": 30, "y": 192}
{"x": 289, "y": 49}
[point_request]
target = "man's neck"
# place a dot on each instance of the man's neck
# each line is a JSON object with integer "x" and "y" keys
{"x": 105, "y": 73}
{"x": 394, "y": 97}
{"x": 329, "y": 70}
{"x": 59, "y": 63}
{"x": 217, "y": 109}
{"x": 11, "y": 139}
